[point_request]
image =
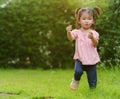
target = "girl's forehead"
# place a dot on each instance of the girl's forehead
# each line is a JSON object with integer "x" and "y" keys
{"x": 86, "y": 14}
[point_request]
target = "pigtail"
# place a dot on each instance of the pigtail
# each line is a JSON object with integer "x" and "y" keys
{"x": 97, "y": 11}
{"x": 96, "y": 15}
{"x": 76, "y": 12}
{"x": 77, "y": 17}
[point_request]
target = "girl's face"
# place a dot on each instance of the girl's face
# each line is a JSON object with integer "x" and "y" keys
{"x": 86, "y": 20}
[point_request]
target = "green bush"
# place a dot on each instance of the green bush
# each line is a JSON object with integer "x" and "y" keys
{"x": 33, "y": 34}
{"x": 110, "y": 34}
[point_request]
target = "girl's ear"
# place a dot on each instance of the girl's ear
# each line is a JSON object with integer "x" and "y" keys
{"x": 79, "y": 21}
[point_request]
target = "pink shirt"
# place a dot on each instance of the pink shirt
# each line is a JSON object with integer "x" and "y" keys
{"x": 84, "y": 49}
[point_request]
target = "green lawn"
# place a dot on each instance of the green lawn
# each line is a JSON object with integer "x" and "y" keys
{"x": 35, "y": 84}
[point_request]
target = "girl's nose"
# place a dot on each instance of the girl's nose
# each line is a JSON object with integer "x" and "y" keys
{"x": 86, "y": 21}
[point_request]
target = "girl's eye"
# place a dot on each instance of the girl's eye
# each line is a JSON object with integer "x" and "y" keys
{"x": 90, "y": 18}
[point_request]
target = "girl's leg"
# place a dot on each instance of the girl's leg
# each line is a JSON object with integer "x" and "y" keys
{"x": 78, "y": 71}
{"x": 92, "y": 76}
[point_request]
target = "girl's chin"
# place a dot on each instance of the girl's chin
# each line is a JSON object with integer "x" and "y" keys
{"x": 86, "y": 28}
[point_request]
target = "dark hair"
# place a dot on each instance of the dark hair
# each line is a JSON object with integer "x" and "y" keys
{"x": 95, "y": 12}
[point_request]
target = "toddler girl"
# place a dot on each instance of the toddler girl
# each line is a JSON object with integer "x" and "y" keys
{"x": 86, "y": 40}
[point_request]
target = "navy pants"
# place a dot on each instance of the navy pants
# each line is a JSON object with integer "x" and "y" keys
{"x": 90, "y": 71}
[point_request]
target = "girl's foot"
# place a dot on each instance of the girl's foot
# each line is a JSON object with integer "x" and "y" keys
{"x": 74, "y": 84}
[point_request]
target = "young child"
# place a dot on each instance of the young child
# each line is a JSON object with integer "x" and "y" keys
{"x": 86, "y": 40}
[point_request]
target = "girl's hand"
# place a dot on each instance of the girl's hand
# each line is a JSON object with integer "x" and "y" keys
{"x": 69, "y": 28}
{"x": 95, "y": 41}
{"x": 90, "y": 35}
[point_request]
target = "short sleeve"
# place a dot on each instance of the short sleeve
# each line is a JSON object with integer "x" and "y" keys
{"x": 74, "y": 33}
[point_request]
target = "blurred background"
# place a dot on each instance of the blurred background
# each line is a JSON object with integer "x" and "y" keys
{"x": 33, "y": 33}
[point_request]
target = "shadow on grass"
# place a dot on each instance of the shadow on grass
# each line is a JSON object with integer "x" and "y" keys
{"x": 3, "y": 94}
{"x": 43, "y": 98}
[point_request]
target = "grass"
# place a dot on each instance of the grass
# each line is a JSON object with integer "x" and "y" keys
{"x": 35, "y": 84}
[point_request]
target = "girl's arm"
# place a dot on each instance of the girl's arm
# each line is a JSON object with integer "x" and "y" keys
{"x": 69, "y": 36}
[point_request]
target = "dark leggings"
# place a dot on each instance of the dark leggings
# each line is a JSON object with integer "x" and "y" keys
{"x": 90, "y": 70}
